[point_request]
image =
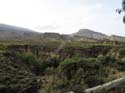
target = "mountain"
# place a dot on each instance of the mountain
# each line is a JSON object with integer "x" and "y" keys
{"x": 90, "y": 34}
{"x": 13, "y": 32}
{"x": 9, "y": 32}
{"x": 117, "y": 38}
{"x": 57, "y": 36}
{"x": 10, "y": 28}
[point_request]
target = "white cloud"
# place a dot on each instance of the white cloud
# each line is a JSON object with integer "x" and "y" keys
{"x": 99, "y": 5}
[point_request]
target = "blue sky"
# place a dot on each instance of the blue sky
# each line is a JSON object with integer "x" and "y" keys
{"x": 64, "y": 16}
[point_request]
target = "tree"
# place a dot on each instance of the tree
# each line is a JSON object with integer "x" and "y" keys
{"x": 122, "y": 10}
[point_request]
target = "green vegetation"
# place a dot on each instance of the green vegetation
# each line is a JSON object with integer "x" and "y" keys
{"x": 2, "y": 47}
{"x": 75, "y": 66}
{"x": 15, "y": 78}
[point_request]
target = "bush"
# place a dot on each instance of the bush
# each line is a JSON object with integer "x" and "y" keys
{"x": 36, "y": 65}
{"x": 121, "y": 52}
{"x": 53, "y": 61}
{"x": 12, "y": 81}
{"x": 81, "y": 69}
{"x": 2, "y": 47}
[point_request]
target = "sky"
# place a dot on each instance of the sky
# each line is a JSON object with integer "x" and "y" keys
{"x": 64, "y": 16}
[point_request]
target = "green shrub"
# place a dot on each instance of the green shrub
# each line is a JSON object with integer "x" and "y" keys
{"x": 36, "y": 65}
{"x": 121, "y": 52}
{"x": 2, "y": 47}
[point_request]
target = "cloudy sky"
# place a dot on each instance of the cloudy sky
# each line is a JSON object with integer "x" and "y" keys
{"x": 63, "y": 16}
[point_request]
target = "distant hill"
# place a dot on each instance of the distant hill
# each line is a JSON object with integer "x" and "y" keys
{"x": 117, "y": 38}
{"x": 10, "y": 28}
{"x": 97, "y": 35}
{"x": 9, "y": 32}
{"x": 90, "y": 34}
{"x": 57, "y": 36}
{"x": 14, "y": 32}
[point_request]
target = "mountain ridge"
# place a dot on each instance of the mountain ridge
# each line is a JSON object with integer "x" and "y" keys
{"x": 91, "y": 34}
{"x": 14, "y": 32}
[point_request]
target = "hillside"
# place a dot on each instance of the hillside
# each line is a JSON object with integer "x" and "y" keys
{"x": 74, "y": 67}
{"x": 90, "y": 34}
{"x": 8, "y": 32}
{"x": 15, "y": 76}
{"x": 117, "y": 38}
{"x": 10, "y": 28}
